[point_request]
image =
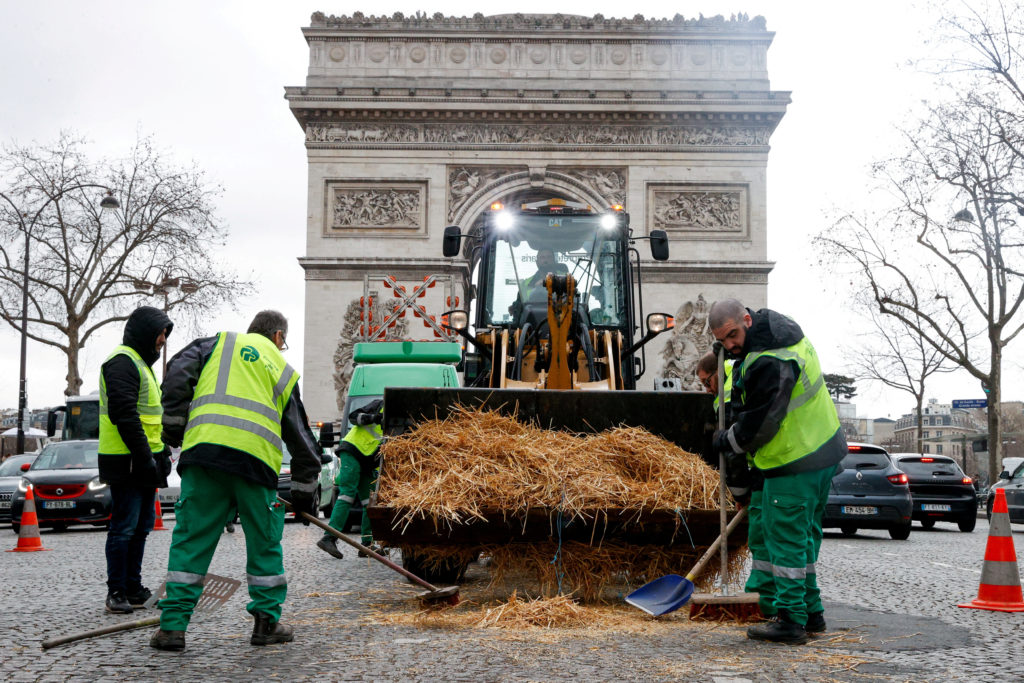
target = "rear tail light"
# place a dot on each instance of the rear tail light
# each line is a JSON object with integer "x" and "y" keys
{"x": 927, "y": 459}
{"x": 853, "y": 449}
{"x": 967, "y": 480}
{"x": 898, "y": 479}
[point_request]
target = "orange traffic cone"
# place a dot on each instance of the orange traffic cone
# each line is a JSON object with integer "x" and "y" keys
{"x": 1000, "y": 589}
{"x": 28, "y": 538}
{"x": 158, "y": 523}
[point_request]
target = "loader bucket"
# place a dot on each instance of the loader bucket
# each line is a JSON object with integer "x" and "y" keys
{"x": 684, "y": 418}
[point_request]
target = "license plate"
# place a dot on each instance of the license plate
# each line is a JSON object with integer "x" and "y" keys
{"x": 5, "y": 504}
{"x": 859, "y": 510}
{"x": 58, "y": 504}
{"x": 929, "y": 507}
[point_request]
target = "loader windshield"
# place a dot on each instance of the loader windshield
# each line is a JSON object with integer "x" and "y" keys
{"x": 534, "y": 245}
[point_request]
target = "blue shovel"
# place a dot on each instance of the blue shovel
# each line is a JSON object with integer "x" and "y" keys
{"x": 672, "y": 591}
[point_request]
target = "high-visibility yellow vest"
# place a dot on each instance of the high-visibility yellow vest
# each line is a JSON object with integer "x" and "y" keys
{"x": 366, "y": 439}
{"x": 728, "y": 384}
{"x": 240, "y": 397}
{"x": 811, "y": 418}
{"x": 148, "y": 406}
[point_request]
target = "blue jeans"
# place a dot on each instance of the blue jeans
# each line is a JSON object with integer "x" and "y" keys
{"x": 131, "y": 518}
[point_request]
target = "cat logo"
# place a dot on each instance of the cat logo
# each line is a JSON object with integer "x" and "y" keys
{"x": 249, "y": 353}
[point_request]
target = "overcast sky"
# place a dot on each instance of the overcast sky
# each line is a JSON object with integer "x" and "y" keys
{"x": 206, "y": 80}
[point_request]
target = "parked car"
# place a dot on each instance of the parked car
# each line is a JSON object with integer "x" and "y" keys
{"x": 940, "y": 489}
{"x": 169, "y": 495}
{"x": 65, "y": 478}
{"x": 326, "y": 493}
{"x": 869, "y": 493}
{"x": 1013, "y": 487}
{"x": 11, "y": 471}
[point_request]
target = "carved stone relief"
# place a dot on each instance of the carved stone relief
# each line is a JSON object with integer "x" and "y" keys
{"x": 464, "y": 181}
{"x": 608, "y": 183}
{"x": 698, "y": 209}
{"x": 516, "y": 134}
{"x": 343, "y": 366}
{"x": 690, "y": 339}
{"x": 354, "y": 205}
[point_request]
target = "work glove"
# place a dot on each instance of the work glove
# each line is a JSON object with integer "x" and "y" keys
{"x": 302, "y": 502}
{"x": 163, "y": 462}
{"x": 363, "y": 419}
{"x": 720, "y": 441}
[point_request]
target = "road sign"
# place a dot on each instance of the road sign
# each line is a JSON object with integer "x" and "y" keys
{"x": 966, "y": 403}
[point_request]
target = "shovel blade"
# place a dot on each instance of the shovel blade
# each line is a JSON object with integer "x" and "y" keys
{"x": 662, "y": 596}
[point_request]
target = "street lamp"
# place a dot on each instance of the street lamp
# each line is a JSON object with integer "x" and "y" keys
{"x": 107, "y": 202}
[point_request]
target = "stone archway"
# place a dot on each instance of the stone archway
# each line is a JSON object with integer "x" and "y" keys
{"x": 421, "y": 122}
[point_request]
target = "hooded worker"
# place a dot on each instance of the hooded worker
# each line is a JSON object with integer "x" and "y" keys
{"x": 133, "y": 459}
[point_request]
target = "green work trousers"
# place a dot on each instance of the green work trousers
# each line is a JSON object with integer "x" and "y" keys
{"x": 208, "y": 497}
{"x": 356, "y": 475}
{"x": 761, "y": 580}
{"x": 793, "y": 506}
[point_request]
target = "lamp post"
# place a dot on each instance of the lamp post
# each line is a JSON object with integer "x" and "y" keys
{"x": 109, "y": 201}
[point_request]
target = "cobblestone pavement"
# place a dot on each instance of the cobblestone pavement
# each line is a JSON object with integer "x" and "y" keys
{"x": 891, "y": 616}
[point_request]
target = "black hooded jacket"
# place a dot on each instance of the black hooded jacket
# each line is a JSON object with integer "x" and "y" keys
{"x": 121, "y": 377}
{"x": 768, "y": 384}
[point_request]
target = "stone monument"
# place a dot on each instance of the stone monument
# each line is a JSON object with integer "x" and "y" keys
{"x": 412, "y": 123}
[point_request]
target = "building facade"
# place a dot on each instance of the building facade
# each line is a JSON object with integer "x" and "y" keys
{"x": 415, "y": 123}
{"x": 944, "y": 431}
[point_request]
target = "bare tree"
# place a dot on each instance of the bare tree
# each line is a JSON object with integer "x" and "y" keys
{"x": 899, "y": 359}
{"x": 89, "y": 267}
{"x": 946, "y": 260}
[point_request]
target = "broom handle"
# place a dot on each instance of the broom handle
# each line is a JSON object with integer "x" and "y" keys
{"x": 114, "y": 628}
{"x": 723, "y": 529}
{"x": 710, "y": 552}
{"x": 355, "y": 544}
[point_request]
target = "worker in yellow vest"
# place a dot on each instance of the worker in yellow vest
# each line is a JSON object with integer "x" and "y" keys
{"x": 356, "y": 473}
{"x": 133, "y": 459}
{"x": 232, "y": 402}
{"x": 788, "y": 421}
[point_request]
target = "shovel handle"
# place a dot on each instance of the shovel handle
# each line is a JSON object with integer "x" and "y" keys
{"x": 710, "y": 552}
{"x": 113, "y": 628}
{"x": 355, "y": 544}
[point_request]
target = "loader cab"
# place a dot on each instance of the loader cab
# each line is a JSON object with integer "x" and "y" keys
{"x": 81, "y": 418}
{"x": 514, "y": 249}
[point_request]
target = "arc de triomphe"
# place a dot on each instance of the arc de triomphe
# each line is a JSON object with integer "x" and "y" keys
{"x": 415, "y": 123}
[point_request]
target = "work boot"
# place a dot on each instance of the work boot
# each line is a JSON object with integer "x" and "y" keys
{"x": 375, "y": 548}
{"x": 168, "y": 640}
{"x": 267, "y": 632}
{"x": 330, "y": 546}
{"x": 815, "y": 623}
{"x": 117, "y": 603}
{"x": 229, "y": 527}
{"x": 781, "y": 630}
{"x": 138, "y": 598}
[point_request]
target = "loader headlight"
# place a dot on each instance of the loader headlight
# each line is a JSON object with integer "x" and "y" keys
{"x": 659, "y": 322}
{"x": 503, "y": 221}
{"x": 609, "y": 221}
{"x": 458, "y": 320}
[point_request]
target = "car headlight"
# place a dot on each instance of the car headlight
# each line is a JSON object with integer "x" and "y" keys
{"x": 97, "y": 484}
{"x": 23, "y": 485}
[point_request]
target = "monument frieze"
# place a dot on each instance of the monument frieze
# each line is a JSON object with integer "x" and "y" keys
{"x": 516, "y": 135}
{"x": 361, "y": 206}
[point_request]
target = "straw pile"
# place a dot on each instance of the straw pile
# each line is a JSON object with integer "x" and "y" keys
{"x": 451, "y": 470}
{"x": 454, "y": 470}
{"x": 517, "y": 613}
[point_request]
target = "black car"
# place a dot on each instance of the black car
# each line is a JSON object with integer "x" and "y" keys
{"x": 869, "y": 493}
{"x": 66, "y": 484}
{"x": 940, "y": 489}
{"x": 1013, "y": 486}
{"x": 11, "y": 471}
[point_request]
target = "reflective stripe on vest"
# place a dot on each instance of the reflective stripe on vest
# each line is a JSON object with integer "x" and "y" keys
{"x": 811, "y": 418}
{"x": 240, "y": 397}
{"x": 366, "y": 440}
{"x": 148, "y": 406}
{"x": 729, "y": 364}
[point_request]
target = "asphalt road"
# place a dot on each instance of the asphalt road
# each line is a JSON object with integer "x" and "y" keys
{"x": 891, "y": 613}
